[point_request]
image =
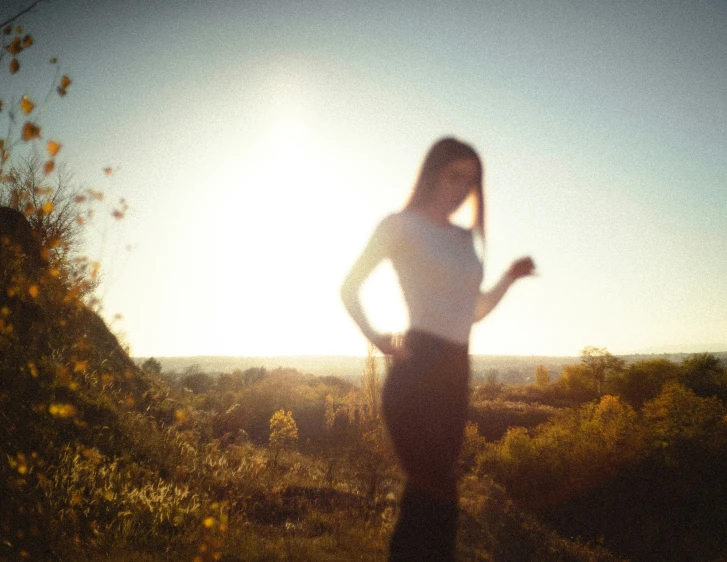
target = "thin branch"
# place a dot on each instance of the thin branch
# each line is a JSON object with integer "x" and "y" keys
{"x": 16, "y": 16}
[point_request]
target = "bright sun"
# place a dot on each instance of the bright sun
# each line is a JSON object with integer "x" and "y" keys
{"x": 283, "y": 240}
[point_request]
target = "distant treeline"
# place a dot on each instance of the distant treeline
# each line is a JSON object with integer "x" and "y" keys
{"x": 508, "y": 369}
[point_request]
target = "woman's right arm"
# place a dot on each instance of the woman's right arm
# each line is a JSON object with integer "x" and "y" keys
{"x": 377, "y": 249}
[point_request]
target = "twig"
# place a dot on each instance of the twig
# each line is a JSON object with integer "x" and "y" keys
{"x": 16, "y": 16}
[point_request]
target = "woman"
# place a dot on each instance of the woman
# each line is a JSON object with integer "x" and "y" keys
{"x": 426, "y": 391}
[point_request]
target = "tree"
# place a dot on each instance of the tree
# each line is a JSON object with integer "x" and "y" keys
{"x": 642, "y": 381}
{"x": 599, "y": 363}
{"x": 329, "y": 413}
{"x": 576, "y": 381}
{"x": 367, "y": 446}
{"x": 152, "y": 366}
{"x": 576, "y": 450}
{"x": 472, "y": 445}
{"x": 542, "y": 376}
{"x": 51, "y": 202}
{"x": 283, "y": 432}
{"x": 370, "y": 384}
{"x": 198, "y": 382}
{"x": 31, "y": 183}
{"x": 703, "y": 373}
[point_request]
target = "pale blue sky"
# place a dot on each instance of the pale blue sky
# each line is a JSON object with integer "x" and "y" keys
{"x": 259, "y": 143}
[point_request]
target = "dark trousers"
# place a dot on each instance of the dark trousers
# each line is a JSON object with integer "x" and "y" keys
{"x": 425, "y": 408}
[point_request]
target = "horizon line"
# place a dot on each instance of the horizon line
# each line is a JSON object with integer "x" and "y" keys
{"x": 346, "y": 355}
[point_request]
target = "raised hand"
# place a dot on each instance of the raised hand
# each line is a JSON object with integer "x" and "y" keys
{"x": 521, "y": 268}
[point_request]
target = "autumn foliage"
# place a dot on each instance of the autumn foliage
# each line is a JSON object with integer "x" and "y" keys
{"x": 102, "y": 459}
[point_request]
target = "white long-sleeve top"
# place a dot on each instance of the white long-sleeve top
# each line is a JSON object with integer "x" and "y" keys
{"x": 438, "y": 269}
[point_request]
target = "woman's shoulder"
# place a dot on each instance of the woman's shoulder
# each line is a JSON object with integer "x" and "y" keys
{"x": 393, "y": 230}
{"x": 393, "y": 223}
{"x": 418, "y": 220}
{"x": 407, "y": 224}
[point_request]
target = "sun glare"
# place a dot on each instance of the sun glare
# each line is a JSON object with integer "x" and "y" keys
{"x": 276, "y": 262}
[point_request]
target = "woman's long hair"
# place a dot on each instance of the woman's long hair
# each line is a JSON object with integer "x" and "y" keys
{"x": 442, "y": 153}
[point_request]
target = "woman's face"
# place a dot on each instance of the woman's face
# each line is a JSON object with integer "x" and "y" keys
{"x": 456, "y": 181}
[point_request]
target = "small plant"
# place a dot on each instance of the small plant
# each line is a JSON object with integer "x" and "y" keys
{"x": 283, "y": 432}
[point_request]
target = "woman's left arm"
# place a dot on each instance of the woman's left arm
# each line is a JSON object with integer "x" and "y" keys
{"x": 487, "y": 301}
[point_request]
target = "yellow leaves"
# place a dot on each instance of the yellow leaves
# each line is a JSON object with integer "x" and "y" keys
{"x": 15, "y": 47}
{"x": 33, "y": 291}
{"x": 181, "y": 417}
{"x": 120, "y": 212}
{"x": 30, "y": 131}
{"x": 211, "y": 547}
{"x": 19, "y": 463}
{"x": 63, "y": 411}
{"x": 80, "y": 366}
{"x": 53, "y": 147}
{"x": 5, "y": 328}
{"x": 26, "y": 106}
{"x": 65, "y": 82}
{"x": 33, "y": 369}
{"x": 43, "y": 191}
{"x": 283, "y": 429}
{"x": 47, "y": 208}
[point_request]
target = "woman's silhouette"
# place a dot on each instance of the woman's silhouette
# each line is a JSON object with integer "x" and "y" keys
{"x": 425, "y": 395}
